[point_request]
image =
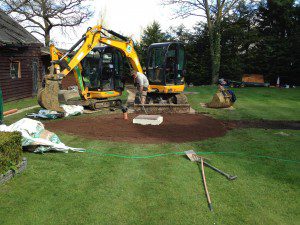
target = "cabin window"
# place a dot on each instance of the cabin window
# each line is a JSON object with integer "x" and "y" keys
{"x": 15, "y": 69}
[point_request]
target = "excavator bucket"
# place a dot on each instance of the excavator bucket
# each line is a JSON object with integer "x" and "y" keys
{"x": 220, "y": 101}
{"x": 48, "y": 96}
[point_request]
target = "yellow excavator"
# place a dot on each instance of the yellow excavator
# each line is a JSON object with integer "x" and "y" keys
{"x": 101, "y": 72}
{"x": 165, "y": 71}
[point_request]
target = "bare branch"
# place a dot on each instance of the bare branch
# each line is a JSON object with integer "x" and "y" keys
{"x": 214, "y": 10}
{"x": 229, "y": 7}
{"x": 16, "y": 6}
{"x": 43, "y": 15}
{"x": 34, "y": 31}
{"x": 31, "y": 26}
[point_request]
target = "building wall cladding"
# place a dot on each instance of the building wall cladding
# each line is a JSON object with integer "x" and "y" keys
{"x": 18, "y": 88}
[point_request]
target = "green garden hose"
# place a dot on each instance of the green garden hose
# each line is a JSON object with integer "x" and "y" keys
{"x": 183, "y": 153}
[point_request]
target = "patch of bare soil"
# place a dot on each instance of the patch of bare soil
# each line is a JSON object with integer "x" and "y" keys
{"x": 264, "y": 124}
{"x": 175, "y": 128}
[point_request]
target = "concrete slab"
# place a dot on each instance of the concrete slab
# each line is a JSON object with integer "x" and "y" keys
{"x": 148, "y": 120}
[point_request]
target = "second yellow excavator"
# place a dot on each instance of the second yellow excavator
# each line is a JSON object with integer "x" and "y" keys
{"x": 105, "y": 82}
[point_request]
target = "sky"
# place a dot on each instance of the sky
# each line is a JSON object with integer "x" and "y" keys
{"x": 128, "y": 17}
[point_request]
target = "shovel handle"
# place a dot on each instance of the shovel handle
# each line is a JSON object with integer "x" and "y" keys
{"x": 205, "y": 185}
{"x": 228, "y": 176}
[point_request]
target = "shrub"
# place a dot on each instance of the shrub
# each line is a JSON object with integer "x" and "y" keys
{"x": 10, "y": 150}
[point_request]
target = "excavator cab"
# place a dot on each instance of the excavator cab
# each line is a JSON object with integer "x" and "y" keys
{"x": 104, "y": 69}
{"x": 165, "y": 64}
{"x": 165, "y": 69}
{"x": 99, "y": 76}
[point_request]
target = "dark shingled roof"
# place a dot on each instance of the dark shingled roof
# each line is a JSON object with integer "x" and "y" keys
{"x": 12, "y": 33}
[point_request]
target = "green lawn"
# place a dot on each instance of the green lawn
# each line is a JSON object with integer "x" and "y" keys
{"x": 89, "y": 188}
{"x": 99, "y": 188}
{"x": 20, "y": 104}
{"x": 252, "y": 103}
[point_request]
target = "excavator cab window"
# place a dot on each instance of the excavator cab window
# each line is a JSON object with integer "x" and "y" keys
{"x": 106, "y": 68}
{"x": 165, "y": 63}
{"x": 180, "y": 65}
{"x": 171, "y": 63}
{"x": 155, "y": 65}
{"x": 91, "y": 70}
{"x": 104, "y": 71}
{"x": 119, "y": 65}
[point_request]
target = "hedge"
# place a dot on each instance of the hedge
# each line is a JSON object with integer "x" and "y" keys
{"x": 10, "y": 150}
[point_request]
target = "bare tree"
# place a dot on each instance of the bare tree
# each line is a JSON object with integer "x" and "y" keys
{"x": 213, "y": 11}
{"x": 40, "y": 16}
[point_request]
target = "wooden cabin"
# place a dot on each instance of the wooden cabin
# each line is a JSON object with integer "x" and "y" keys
{"x": 20, "y": 60}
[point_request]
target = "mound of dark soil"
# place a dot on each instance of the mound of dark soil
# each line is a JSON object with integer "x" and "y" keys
{"x": 175, "y": 128}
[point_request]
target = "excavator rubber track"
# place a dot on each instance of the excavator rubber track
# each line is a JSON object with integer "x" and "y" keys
{"x": 162, "y": 108}
{"x": 50, "y": 98}
{"x": 96, "y": 104}
{"x": 180, "y": 105}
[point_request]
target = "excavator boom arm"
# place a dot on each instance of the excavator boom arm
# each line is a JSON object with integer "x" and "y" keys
{"x": 48, "y": 96}
{"x": 128, "y": 49}
{"x": 56, "y": 55}
{"x": 93, "y": 37}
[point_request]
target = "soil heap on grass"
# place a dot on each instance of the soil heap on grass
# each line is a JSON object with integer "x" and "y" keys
{"x": 175, "y": 128}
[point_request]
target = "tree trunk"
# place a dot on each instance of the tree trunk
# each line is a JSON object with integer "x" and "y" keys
{"x": 215, "y": 50}
{"x": 212, "y": 51}
{"x": 216, "y": 57}
{"x": 214, "y": 32}
{"x": 47, "y": 38}
{"x": 47, "y": 24}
